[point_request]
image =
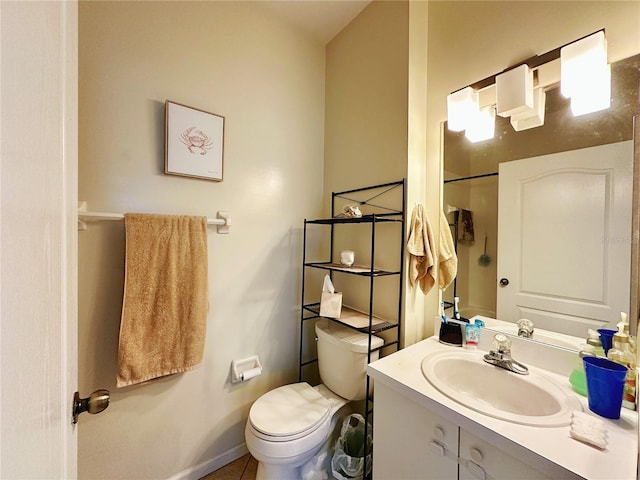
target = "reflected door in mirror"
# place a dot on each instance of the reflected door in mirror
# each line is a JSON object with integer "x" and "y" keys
{"x": 563, "y": 238}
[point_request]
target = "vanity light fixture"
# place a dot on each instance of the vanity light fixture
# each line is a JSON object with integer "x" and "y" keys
{"x": 462, "y": 107}
{"x": 534, "y": 117}
{"x": 519, "y": 92}
{"x": 585, "y": 75}
{"x": 482, "y": 125}
{"x": 514, "y": 91}
{"x": 517, "y": 98}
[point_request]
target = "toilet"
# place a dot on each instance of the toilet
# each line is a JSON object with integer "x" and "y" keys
{"x": 288, "y": 425}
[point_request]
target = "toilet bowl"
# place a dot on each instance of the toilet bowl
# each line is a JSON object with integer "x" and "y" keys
{"x": 289, "y": 425}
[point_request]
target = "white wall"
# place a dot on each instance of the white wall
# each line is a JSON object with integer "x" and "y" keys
{"x": 235, "y": 60}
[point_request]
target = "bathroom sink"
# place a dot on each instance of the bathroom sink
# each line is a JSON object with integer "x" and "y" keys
{"x": 532, "y": 399}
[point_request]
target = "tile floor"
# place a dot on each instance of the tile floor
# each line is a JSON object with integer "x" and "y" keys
{"x": 243, "y": 468}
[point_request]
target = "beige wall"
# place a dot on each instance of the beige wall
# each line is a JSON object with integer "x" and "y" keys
{"x": 233, "y": 59}
{"x": 366, "y": 100}
{"x": 366, "y": 125}
{"x": 469, "y": 41}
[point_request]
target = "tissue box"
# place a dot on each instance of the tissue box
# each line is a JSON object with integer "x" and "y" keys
{"x": 331, "y": 304}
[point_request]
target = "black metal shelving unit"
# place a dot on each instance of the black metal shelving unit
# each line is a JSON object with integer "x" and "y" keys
{"x": 380, "y": 204}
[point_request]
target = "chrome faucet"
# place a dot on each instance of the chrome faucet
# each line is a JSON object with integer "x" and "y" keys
{"x": 501, "y": 356}
{"x": 525, "y": 328}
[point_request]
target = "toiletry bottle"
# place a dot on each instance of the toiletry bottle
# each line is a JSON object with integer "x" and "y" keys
{"x": 472, "y": 334}
{"x": 620, "y": 352}
{"x": 577, "y": 378}
{"x": 623, "y": 324}
{"x": 594, "y": 341}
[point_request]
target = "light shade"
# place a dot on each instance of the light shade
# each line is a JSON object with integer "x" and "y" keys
{"x": 534, "y": 117}
{"x": 597, "y": 97}
{"x": 462, "y": 106}
{"x": 514, "y": 91}
{"x": 482, "y": 126}
{"x": 585, "y": 76}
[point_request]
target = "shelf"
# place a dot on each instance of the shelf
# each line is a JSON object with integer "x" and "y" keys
{"x": 384, "y": 204}
{"x": 353, "y": 270}
{"x": 354, "y": 319}
{"x": 378, "y": 217}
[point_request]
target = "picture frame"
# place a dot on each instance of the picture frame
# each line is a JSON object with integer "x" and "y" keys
{"x": 194, "y": 142}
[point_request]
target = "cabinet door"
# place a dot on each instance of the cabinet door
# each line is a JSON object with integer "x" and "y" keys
{"x": 480, "y": 460}
{"x": 409, "y": 442}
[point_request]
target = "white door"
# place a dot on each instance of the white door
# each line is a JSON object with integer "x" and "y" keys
{"x": 564, "y": 238}
{"x": 38, "y": 233}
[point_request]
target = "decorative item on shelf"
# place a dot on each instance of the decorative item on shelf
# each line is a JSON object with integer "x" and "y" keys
{"x": 350, "y": 211}
{"x": 347, "y": 258}
{"x": 194, "y": 142}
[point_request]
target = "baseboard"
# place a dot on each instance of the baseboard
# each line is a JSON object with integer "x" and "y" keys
{"x": 198, "y": 471}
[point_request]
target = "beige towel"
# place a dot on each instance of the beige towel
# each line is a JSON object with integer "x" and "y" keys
{"x": 164, "y": 310}
{"x": 447, "y": 258}
{"x": 420, "y": 246}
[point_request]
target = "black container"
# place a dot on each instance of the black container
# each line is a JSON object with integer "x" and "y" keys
{"x": 452, "y": 333}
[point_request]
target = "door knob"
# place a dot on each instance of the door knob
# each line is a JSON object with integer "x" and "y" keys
{"x": 504, "y": 282}
{"x": 94, "y": 403}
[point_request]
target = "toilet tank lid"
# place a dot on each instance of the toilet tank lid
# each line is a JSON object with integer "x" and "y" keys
{"x": 346, "y": 337}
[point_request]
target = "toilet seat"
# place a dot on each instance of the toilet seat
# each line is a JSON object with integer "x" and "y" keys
{"x": 289, "y": 412}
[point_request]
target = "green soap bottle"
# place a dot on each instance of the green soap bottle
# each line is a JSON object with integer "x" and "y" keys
{"x": 577, "y": 378}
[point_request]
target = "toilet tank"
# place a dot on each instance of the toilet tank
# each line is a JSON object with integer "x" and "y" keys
{"x": 342, "y": 358}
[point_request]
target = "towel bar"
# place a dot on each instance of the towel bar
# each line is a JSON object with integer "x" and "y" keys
{"x": 222, "y": 221}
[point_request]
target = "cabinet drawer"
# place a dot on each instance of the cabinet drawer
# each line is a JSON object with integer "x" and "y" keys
{"x": 480, "y": 460}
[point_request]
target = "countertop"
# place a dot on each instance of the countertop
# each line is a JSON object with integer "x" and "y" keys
{"x": 548, "y": 449}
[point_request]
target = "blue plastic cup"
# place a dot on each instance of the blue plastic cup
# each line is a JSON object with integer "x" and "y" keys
{"x": 606, "y": 338}
{"x": 605, "y": 386}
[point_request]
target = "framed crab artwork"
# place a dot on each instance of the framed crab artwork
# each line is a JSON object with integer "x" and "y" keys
{"x": 194, "y": 142}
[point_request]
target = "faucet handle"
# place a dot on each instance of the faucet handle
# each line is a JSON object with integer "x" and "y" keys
{"x": 525, "y": 328}
{"x": 501, "y": 343}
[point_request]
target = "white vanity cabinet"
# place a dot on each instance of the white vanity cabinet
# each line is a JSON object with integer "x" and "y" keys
{"x": 481, "y": 460}
{"x": 421, "y": 433}
{"x": 412, "y": 443}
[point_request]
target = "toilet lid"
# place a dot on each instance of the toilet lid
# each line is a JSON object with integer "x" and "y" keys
{"x": 289, "y": 410}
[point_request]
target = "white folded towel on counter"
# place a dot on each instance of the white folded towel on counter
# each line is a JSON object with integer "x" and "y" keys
{"x": 588, "y": 429}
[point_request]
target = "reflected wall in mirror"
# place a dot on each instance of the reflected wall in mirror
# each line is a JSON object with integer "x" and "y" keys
{"x": 568, "y": 249}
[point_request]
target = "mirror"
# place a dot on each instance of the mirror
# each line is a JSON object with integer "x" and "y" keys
{"x": 475, "y": 178}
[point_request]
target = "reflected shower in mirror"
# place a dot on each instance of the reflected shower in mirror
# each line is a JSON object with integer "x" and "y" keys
{"x": 573, "y": 273}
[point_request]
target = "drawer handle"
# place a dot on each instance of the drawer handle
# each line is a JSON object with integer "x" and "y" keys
{"x": 476, "y": 455}
{"x": 438, "y": 448}
{"x": 476, "y": 470}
